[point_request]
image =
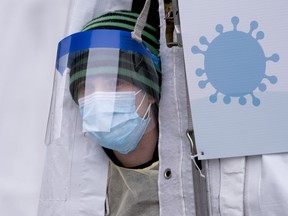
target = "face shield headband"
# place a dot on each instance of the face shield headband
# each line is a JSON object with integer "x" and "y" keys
{"x": 98, "y": 52}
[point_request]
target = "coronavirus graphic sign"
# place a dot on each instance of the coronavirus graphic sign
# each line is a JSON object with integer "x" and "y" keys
{"x": 236, "y": 63}
{"x": 226, "y": 64}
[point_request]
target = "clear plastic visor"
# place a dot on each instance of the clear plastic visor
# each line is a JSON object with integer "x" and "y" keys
{"x": 107, "y": 65}
{"x": 102, "y": 70}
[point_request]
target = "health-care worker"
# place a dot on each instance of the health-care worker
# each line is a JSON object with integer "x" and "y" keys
{"x": 114, "y": 78}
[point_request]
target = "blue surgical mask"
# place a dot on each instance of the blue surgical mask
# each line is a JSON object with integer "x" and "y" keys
{"x": 112, "y": 120}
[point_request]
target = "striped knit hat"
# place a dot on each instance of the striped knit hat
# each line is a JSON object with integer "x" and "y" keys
{"x": 147, "y": 79}
{"x": 126, "y": 20}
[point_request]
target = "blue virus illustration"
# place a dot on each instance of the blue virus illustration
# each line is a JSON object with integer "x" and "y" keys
{"x": 235, "y": 64}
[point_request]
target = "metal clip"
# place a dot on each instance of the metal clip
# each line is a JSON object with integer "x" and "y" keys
{"x": 172, "y": 23}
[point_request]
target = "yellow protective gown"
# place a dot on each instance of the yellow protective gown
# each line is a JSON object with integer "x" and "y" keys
{"x": 132, "y": 191}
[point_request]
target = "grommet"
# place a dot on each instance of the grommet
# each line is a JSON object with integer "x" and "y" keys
{"x": 167, "y": 173}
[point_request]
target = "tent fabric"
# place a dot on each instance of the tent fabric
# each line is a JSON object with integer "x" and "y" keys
{"x": 249, "y": 186}
{"x": 175, "y": 193}
{"x": 73, "y": 170}
{"x": 75, "y": 176}
{"x": 75, "y": 173}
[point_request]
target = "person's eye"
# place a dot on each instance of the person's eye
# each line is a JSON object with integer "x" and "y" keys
{"x": 89, "y": 88}
{"x": 120, "y": 83}
{"x": 85, "y": 88}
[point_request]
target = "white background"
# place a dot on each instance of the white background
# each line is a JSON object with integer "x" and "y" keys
{"x": 30, "y": 31}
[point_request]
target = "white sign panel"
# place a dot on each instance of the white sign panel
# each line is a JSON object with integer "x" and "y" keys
{"x": 236, "y": 58}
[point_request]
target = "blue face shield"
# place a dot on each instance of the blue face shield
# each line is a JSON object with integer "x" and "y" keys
{"x": 102, "y": 62}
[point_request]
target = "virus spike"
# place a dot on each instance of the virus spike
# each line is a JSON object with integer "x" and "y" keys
{"x": 275, "y": 58}
{"x": 272, "y": 79}
{"x": 242, "y": 100}
{"x": 202, "y": 84}
{"x": 253, "y": 26}
{"x": 255, "y": 100}
{"x": 196, "y": 50}
{"x": 219, "y": 28}
{"x": 227, "y": 99}
{"x": 213, "y": 98}
{"x": 259, "y": 35}
{"x": 262, "y": 87}
{"x": 203, "y": 40}
{"x": 200, "y": 72}
{"x": 235, "y": 22}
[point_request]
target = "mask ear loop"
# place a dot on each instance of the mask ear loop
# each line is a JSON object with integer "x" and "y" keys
{"x": 136, "y": 93}
{"x": 141, "y": 100}
{"x": 141, "y": 21}
{"x": 147, "y": 113}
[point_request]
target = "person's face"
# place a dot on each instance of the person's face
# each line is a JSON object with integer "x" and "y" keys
{"x": 106, "y": 83}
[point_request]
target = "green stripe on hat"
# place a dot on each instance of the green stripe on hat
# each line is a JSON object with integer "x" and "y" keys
{"x": 120, "y": 71}
{"x": 116, "y": 17}
{"x": 140, "y": 70}
{"x": 100, "y": 63}
{"x": 131, "y": 28}
{"x": 126, "y": 20}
